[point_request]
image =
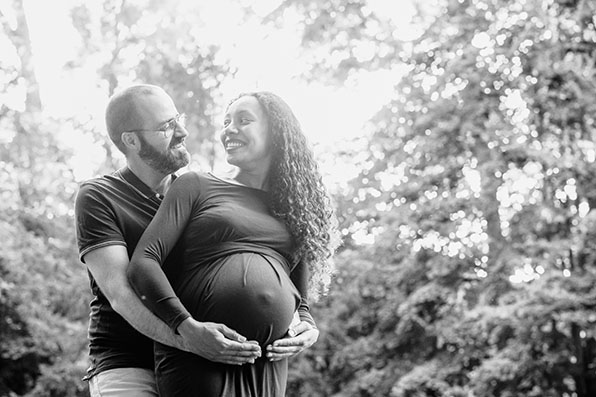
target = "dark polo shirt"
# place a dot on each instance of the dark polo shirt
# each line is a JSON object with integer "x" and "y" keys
{"x": 113, "y": 210}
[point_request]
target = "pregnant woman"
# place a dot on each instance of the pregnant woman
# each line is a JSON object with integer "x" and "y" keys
{"x": 244, "y": 252}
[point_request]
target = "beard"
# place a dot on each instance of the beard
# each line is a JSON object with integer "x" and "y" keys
{"x": 165, "y": 162}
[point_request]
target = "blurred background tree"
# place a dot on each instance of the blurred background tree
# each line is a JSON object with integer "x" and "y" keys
{"x": 474, "y": 274}
{"x": 42, "y": 290}
{"x": 468, "y": 264}
{"x": 154, "y": 41}
{"x": 43, "y": 287}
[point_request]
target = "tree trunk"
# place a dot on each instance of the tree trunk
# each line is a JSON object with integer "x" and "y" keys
{"x": 580, "y": 375}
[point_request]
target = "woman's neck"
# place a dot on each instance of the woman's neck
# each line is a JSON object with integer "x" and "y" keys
{"x": 254, "y": 180}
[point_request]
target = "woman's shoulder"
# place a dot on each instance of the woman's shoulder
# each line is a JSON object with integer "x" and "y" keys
{"x": 189, "y": 181}
{"x": 193, "y": 177}
{"x": 190, "y": 186}
{"x": 197, "y": 181}
{"x": 206, "y": 180}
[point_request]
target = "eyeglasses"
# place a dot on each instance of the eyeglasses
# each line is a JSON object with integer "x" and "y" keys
{"x": 169, "y": 127}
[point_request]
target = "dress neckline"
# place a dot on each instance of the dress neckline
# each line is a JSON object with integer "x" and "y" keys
{"x": 234, "y": 182}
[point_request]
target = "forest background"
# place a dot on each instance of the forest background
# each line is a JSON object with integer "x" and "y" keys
{"x": 466, "y": 203}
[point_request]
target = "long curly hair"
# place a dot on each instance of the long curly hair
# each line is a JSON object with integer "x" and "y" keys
{"x": 298, "y": 195}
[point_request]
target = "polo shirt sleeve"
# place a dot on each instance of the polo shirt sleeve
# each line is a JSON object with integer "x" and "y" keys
{"x": 95, "y": 221}
{"x": 144, "y": 271}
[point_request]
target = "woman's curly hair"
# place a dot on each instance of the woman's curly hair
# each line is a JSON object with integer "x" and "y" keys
{"x": 298, "y": 194}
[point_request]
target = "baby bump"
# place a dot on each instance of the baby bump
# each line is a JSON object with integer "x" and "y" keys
{"x": 250, "y": 293}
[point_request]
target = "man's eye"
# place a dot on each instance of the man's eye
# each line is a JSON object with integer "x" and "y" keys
{"x": 226, "y": 123}
{"x": 168, "y": 125}
{"x": 244, "y": 121}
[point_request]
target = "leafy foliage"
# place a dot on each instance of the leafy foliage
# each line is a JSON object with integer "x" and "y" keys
{"x": 148, "y": 41}
{"x": 43, "y": 287}
{"x": 468, "y": 264}
{"x": 340, "y": 37}
{"x": 476, "y": 191}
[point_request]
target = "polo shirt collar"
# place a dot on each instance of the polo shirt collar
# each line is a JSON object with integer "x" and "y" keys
{"x": 134, "y": 180}
{"x": 138, "y": 184}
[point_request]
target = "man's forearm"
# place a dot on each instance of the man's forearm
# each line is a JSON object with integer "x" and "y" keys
{"x": 108, "y": 267}
{"x": 130, "y": 307}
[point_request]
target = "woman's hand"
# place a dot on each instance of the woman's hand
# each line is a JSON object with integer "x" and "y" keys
{"x": 299, "y": 337}
{"x": 217, "y": 342}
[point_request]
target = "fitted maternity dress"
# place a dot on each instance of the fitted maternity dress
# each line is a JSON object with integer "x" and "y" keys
{"x": 234, "y": 269}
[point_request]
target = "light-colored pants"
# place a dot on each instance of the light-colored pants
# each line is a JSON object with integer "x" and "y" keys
{"x": 129, "y": 382}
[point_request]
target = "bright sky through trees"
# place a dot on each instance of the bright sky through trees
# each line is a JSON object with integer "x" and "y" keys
{"x": 266, "y": 57}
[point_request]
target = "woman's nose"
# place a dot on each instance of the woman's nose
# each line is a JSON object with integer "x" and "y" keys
{"x": 231, "y": 129}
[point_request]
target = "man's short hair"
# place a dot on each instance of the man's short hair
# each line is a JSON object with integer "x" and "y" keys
{"x": 122, "y": 111}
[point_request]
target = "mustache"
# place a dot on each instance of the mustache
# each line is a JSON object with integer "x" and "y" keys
{"x": 176, "y": 141}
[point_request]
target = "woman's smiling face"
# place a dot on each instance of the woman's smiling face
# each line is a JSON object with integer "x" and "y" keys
{"x": 246, "y": 136}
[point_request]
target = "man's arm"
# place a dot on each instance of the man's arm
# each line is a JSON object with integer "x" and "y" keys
{"x": 215, "y": 342}
{"x": 108, "y": 267}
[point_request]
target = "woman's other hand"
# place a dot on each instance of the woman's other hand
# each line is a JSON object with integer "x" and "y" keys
{"x": 298, "y": 338}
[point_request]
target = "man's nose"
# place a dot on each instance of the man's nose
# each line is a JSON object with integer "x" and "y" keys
{"x": 180, "y": 131}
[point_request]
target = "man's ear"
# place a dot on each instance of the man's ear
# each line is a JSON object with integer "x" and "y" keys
{"x": 130, "y": 140}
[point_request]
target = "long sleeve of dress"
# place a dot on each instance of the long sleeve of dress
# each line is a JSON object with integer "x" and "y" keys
{"x": 299, "y": 276}
{"x": 145, "y": 271}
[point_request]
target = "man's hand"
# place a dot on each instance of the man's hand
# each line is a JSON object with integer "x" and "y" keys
{"x": 299, "y": 337}
{"x": 217, "y": 342}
